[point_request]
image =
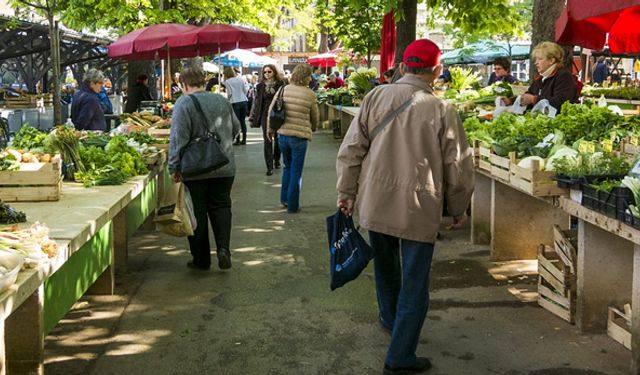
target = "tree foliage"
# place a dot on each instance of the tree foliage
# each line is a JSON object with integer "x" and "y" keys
{"x": 356, "y": 23}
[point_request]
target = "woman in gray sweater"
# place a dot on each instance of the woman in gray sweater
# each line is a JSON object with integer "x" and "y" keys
{"x": 210, "y": 192}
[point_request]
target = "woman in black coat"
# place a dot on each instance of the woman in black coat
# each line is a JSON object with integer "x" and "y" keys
{"x": 270, "y": 83}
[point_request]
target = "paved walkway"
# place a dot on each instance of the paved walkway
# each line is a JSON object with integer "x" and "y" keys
{"x": 273, "y": 312}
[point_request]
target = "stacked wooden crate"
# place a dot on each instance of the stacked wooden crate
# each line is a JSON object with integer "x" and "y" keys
{"x": 29, "y": 101}
{"x": 619, "y": 325}
{"x": 557, "y": 275}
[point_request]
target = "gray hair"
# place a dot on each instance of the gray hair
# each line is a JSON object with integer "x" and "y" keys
{"x": 93, "y": 76}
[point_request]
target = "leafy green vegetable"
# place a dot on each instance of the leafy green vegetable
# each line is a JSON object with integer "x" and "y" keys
{"x": 28, "y": 138}
{"x": 107, "y": 175}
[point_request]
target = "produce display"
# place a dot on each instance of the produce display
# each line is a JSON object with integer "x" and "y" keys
{"x": 617, "y": 92}
{"x": 23, "y": 248}
{"x": 9, "y": 215}
{"x": 92, "y": 158}
{"x": 537, "y": 134}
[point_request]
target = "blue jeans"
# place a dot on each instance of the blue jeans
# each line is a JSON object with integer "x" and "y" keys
{"x": 293, "y": 150}
{"x": 402, "y": 291}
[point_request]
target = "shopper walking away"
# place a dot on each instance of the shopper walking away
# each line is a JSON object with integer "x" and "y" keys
{"x": 404, "y": 154}
{"x": 237, "y": 94}
{"x": 270, "y": 82}
{"x": 210, "y": 192}
{"x": 301, "y": 119}
{"x": 86, "y": 112}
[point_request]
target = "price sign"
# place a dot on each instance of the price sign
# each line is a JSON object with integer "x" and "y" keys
{"x": 633, "y": 140}
{"x": 586, "y": 147}
{"x": 607, "y": 145}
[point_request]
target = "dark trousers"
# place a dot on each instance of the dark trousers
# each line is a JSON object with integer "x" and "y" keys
{"x": 402, "y": 270}
{"x": 211, "y": 202}
{"x": 240, "y": 109}
{"x": 271, "y": 149}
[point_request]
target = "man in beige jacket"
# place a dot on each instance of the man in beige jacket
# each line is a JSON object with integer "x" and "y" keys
{"x": 403, "y": 155}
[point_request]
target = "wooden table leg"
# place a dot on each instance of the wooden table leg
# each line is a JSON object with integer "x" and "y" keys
{"x": 520, "y": 223}
{"x": 604, "y": 273}
{"x": 635, "y": 313}
{"x": 24, "y": 337}
{"x": 120, "y": 249}
{"x": 481, "y": 211}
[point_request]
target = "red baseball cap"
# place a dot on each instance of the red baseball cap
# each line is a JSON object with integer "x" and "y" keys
{"x": 423, "y": 53}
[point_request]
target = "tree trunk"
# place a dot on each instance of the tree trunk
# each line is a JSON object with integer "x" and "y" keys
{"x": 545, "y": 14}
{"x": 54, "y": 40}
{"x": 406, "y": 28}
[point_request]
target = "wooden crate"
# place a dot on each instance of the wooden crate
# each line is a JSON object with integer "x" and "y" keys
{"x": 534, "y": 181}
{"x": 156, "y": 158}
{"x": 482, "y": 157}
{"x": 554, "y": 271}
{"x": 557, "y": 304}
{"x": 619, "y": 327}
{"x": 159, "y": 133}
{"x": 565, "y": 246}
{"x": 556, "y": 284}
{"x": 500, "y": 167}
{"x": 33, "y": 182}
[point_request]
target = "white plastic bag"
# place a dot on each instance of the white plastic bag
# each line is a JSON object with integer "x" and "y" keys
{"x": 545, "y": 107}
{"x": 602, "y": 101}
{"x": 515, "y": 108}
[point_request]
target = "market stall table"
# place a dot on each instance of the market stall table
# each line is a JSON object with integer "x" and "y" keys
{"x": 608, "y": 271}
{"x": 513, "y": 222}
{"x": 92, "y": 226}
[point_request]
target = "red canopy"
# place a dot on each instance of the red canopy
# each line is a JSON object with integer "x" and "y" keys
{"x": 325, "y": 60}
{"x": 387, "y": 44}
{"x": 143, "y": 44}
{"x": 214, "y": 38}
{"x": 586, "y": 23}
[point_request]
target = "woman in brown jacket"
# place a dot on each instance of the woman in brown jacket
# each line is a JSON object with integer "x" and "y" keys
{"x": 270, "y": 83}
{"x": 301, "y": 119}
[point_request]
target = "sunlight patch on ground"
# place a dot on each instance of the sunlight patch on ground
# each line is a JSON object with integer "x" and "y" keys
{"x": 148, "y": 247}
{"x": 246, "y": 249}
{"x": 176, "y": 252}
{"x": 273, "y": 212}
{"x": 128, "y": 344}
{"x": 257, "y": 230}
{"x": 279, "y": 222}
{"x": 506, "y": 270}
{"x": 271, "y": 258}
{"x": 168, "y": 247}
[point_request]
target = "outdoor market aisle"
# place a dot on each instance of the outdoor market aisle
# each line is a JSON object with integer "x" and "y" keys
{"x": 273, "y": 313}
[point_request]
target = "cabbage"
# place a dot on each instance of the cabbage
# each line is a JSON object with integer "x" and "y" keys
{"x": 560, "y": 153}
{"x": 528, "y": 162}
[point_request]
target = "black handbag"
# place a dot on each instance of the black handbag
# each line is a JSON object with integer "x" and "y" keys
{"x": 202, "y": 154}
{"x": 277, "y": 115}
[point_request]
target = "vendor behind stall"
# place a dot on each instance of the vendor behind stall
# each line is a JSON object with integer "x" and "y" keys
{"x": 501, "y": 71}
{"x": 86, "y": 113}
{"x": 137, "y": 94}
{"x": 556, "y": 84}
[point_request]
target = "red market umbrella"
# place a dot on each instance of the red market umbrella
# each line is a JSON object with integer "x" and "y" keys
{"x": 387, "y": 44}
{"x": 325, "y": 60}
{"x": 149, "y": 42}
{"x": 588, "y": 23}
{"x": 216, "y": 38}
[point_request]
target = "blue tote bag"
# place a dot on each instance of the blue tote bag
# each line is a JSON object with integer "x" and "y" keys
{"x": 349, "y": 252}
